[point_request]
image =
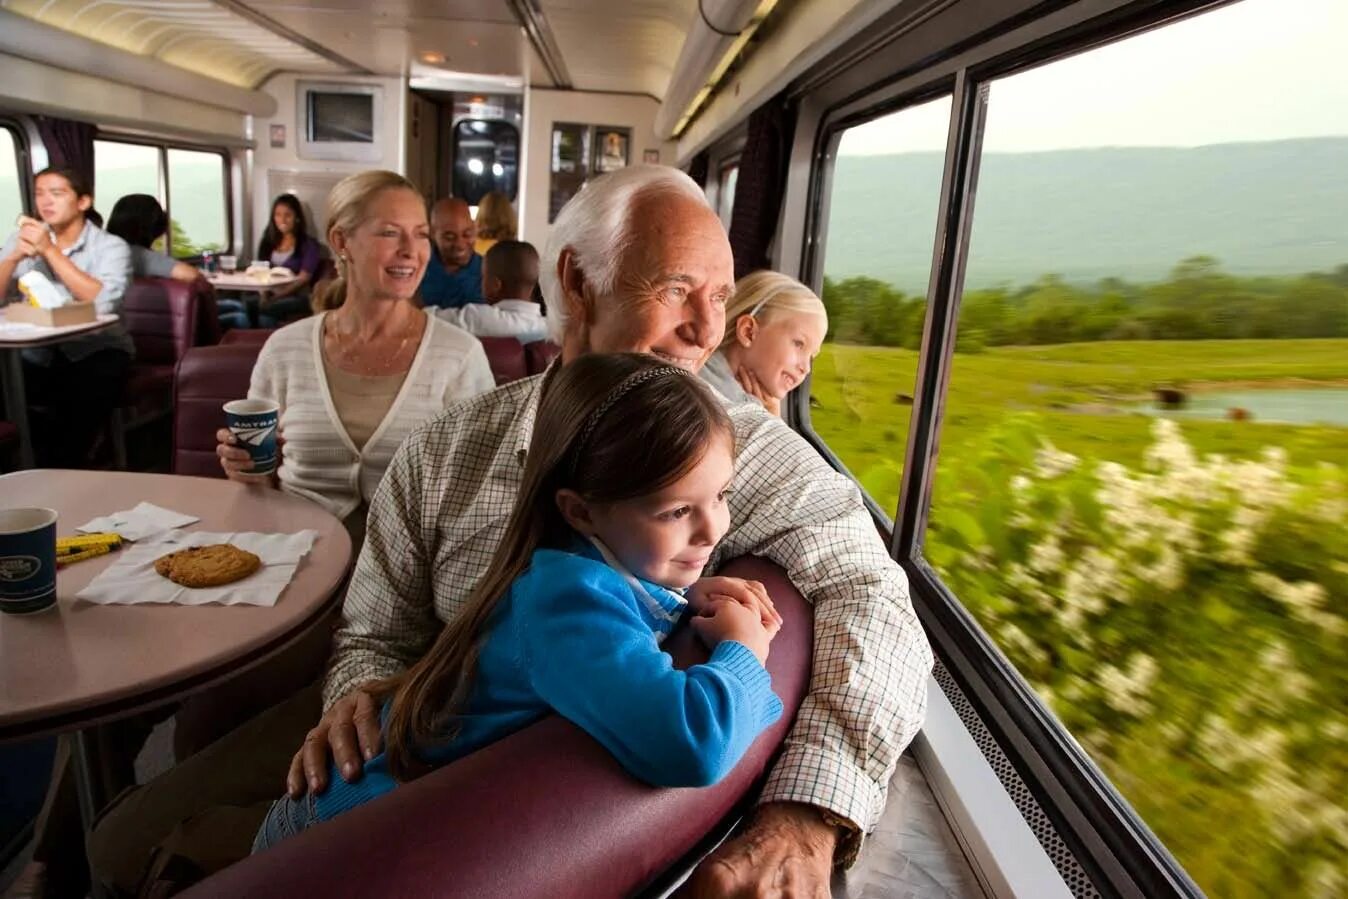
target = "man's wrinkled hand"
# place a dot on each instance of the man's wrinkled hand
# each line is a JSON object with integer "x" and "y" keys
{"x": 785, "y": 853}
{"x": 349, "y": 732}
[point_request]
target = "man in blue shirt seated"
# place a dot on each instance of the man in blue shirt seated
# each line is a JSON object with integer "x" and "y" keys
{"x": 454, "y": 274}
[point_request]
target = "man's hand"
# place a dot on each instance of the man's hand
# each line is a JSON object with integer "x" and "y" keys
{"x": 35, "y": 234}
{"x": 786, "y": 853}
{"x": 350, "y": 730}
{"x": 750, "y": 594}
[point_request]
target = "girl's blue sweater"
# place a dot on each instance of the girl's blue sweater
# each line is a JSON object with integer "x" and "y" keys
{"x": 580, "y": 637}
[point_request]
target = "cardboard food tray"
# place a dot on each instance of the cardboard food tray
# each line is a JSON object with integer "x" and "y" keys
{"x": 61, "y": 316}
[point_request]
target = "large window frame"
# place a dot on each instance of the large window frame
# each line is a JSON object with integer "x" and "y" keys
{"x": 163, "y": 147}
{"x": 24, "y": 162}
{"x": 1119, "y": 852}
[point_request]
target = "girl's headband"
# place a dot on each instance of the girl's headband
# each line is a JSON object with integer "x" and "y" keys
{"x": 617, "y": 393}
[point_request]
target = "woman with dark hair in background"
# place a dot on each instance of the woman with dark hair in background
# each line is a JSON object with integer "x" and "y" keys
{"x": 139, "y": 220}
{"x": 286, "y": 243}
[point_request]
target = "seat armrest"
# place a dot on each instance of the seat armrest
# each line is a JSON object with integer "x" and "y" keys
{"x": 546, "y": 811}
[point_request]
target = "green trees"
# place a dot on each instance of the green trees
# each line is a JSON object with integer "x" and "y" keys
{"x": 1199, "y": 301}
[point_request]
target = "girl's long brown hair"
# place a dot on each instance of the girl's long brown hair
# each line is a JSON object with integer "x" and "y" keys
{"x": 610, "y": 427}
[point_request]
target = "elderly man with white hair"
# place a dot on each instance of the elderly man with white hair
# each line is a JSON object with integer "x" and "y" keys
{"x": 638, "y": 262}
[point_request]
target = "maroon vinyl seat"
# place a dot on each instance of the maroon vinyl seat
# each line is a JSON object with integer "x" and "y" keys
{"x": 206, "y": 379}
{"x": 506, "y": 357}
{"x": 545, "y": 812}
{"x": 251, "y": 336}
{"x": 538, "y": 354}
{"x": 9, "y": 439}
{"x": 161, "y": 315}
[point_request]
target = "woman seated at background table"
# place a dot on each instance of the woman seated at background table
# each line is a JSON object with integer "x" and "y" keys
{"x": 286, "y": 243}
{"x": 774, "y": 327}
{"x": 495, "y": 221}
{"x": 355, "y": 379}
{"x": 139, "y": 220}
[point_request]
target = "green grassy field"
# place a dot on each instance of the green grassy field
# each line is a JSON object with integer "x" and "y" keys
{"x": 1207, "y": 681}
{"x": 862, "y": 416}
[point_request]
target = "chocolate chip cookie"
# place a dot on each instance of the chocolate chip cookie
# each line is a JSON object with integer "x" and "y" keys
{"x": 207, "y": 566}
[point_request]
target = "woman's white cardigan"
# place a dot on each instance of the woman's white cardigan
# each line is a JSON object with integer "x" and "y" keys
{"x": 318, "y": 460}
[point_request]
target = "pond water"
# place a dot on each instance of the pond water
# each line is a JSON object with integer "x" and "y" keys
{"x": 1326, "y": 405}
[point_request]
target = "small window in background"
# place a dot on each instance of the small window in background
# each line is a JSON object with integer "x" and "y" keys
{"x": 725, "y": 197}
{"x": 486, "y": 159}
{"x": 1142, "y": 489}
{"x": 881, "y": 228}
{"x": 121, "y": 169}
{"x": 197, "y": 202}
{"x": 11, "y": 183}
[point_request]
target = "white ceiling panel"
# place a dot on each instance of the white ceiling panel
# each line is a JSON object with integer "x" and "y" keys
{"x": 620, "y": 46}
{"x": 197, "y": 35}
{"x": 392, "y": 44}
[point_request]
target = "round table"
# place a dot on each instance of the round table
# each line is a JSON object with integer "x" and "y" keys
{"x": 254, "y": 290}
{"x": 80, "y": 664}
{"x": 16, "y": 337}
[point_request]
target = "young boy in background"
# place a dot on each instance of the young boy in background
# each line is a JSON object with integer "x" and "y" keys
{"x": 509, "y": 273}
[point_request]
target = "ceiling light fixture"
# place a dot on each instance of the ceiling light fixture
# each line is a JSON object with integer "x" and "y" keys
{"x": 430, "y": 57}
{"x": 765, "y": 8}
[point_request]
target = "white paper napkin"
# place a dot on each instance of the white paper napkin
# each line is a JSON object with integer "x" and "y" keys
{"x": 132, "y": 578}
{"x": 146, "y": 520}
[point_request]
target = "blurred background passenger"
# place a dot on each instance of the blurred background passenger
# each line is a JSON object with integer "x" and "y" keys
{"x": 286, "y": 244}
{"x": 509, "y": 277}
{"x": 774, "y": 328}
{"x": 139, "y": 220}
{"x": 496, "y": 220}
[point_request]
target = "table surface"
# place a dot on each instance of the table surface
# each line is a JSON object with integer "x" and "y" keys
{"x": 244, "y": 281}
{"x": 18, "y": 335}
{"x": 79, "y": 663}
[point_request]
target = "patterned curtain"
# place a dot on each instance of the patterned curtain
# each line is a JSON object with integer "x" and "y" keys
{"x": 761, "y": 183}
{"x": 697, "y": 169}
{"x": 69, "y": 145}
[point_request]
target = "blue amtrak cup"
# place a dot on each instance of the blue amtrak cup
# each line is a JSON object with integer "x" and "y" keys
{"x": 27, "y": 560}
{"x": 253, "y": 424}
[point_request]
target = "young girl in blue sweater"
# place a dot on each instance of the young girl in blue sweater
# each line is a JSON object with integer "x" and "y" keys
{"x": 622, "y": 502}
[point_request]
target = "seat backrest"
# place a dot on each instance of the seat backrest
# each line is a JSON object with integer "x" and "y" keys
{"x": 538, "y": 354}
{"x": 207, "y": 378}
{"x": 161, "y": 316}
{"x": 505, "y": 355}
{"x": 251, "y": 336}
{"x": 208, "y": 314}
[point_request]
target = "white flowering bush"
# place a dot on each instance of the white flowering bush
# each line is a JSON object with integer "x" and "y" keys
{"x": 1187, "y": 620}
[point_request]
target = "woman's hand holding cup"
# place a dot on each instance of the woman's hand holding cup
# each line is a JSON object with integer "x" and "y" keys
{"x": 250, "y": 446}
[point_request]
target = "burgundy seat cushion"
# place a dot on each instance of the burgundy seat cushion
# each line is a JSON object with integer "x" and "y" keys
{"x": 506, "y": 357}
{"x": 161, "y": 316}
{"x": 539, "y": 353}
{"x": 207, "y": 378}
{"x": 256, "y": 336}
{"x": 9, "y": 432}
{"x": 544, "y": 812}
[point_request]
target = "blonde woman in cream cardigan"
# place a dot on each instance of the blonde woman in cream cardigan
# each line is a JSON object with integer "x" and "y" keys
{"x": 355, "y": 379}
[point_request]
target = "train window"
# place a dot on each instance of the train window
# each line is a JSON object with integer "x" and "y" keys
{"x": 1142, "y": 491}
{"x": 198, "y": 203}
{"x": 11, "y": 183}
{"x": 121, "y": 169}
{"x": 486, "y": 158}
{"x": 725, "y": 195}
{"x": 881, "y": 228}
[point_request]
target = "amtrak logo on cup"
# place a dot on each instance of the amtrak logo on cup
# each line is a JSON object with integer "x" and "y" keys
{"x": 253, "y": 436}
{"x": 253, "y": 423}
{"x": 18, "y": 568}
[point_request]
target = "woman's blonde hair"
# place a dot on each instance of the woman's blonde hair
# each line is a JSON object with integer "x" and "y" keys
{"x": 348, "y": 205}
{"x": 496, "y": 217}
{"x": 765, "y": 295}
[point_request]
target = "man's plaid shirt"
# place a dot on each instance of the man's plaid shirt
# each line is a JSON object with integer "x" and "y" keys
{"x": 443, "y": 505}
